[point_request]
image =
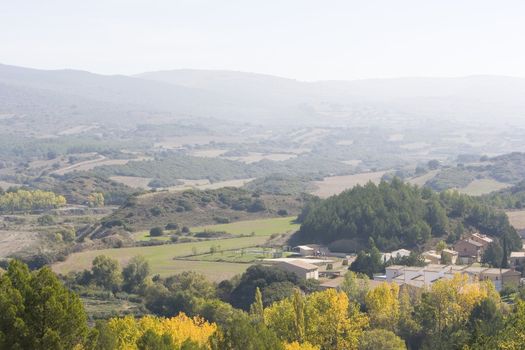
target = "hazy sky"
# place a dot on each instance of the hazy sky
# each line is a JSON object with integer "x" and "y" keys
{"x": 307, "y": 40}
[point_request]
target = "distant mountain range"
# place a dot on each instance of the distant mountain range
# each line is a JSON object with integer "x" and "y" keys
{"x": 86, "y": 97}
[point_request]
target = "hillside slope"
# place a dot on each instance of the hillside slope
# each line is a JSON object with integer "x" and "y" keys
{"x": 70, "y": 95}
{"x": 398, "y": 215}
{"x": 198, "y": 208}
{"x": 507, "y": 168}
{"x": 85, "y": 96}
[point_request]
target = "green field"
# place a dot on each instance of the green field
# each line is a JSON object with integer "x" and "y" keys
{"x": 261, "y": 227}
{"x": 161, "y": 258}
{"x": 217, "y": 266}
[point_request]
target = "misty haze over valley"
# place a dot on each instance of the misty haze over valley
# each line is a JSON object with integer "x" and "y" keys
{"x": 277, "y": 175}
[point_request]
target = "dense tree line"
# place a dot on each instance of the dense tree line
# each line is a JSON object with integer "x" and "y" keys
{"x": 397, "y": 215}
{"x": 38, "y": 312}
{"x": 25, "y": 200}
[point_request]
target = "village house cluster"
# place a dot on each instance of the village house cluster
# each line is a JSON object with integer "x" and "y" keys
{"x": 420, "y": 277}
{"x": 314, "y": 261}
{"x": 471, "y": 249}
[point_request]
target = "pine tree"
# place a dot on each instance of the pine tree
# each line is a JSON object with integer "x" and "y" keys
{"x": 38, "y": 312}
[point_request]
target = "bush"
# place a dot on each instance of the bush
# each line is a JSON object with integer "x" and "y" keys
{"x": 211, "y": 234}
{"x": 282, "y": 212}
{"x": 156, "y": 232}
{"x": 68, "y": 234}
{"x": 155, "y": 211}
{"x": 46, "y": 220}
{"x": 380, "y": 339}
{"x": 112, "y": 223}
{"x": 257, "y": 205}
{"x": 221, "y": 220}
{"x": 172, "y": 226}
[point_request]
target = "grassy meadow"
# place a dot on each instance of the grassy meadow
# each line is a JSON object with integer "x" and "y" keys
{"x": 483, "y": 186}
{"x": 260, "y": 227}
{"x": 517, "y": 219}
{"x": 166, "y": 259}
{"x": 161, "y": 257}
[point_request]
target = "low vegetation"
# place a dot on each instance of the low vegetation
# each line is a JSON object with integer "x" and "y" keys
{"x": 505, "y": 169}
{"x": 282, "y": 184}
{"x": 167, "y": 169}
{"x": 77, "y": 188}
{"x": 508, "y": 198}
{"x": 196, "y": 208}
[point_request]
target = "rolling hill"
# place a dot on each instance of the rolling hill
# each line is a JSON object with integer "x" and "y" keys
{"x": 53, "y": 97}
{"x": 504, "y": 169}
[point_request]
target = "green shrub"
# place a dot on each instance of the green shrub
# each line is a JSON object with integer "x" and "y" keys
{"x": 46, "y": 220}
{"x": 156, "y": 232}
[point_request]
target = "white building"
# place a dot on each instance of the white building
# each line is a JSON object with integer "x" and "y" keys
{"x": 420, "y": 277}
{"x": 304, "y": 250}
{"x": 385, "y": 257}
{"x": 483, "y": 239}
{"x": 432, "y": 257}
{"x": 517, "y": 258}
{"x": 300, "y": 268}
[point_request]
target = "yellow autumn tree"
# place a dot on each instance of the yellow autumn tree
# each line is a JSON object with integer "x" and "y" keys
{"x": 447, "y": 306}
{"x": 128, "y": 330}
{"x": 455, "y": 298}
{"x": 406, "y": 323}
{"x": 382, "y": 304}
{"x": 280, "y": 318}
{"x": 23, "y": 200}
{"x": 96, "y": 199}
{"x": 513, "y": 336}
{"x": 125, "y": 332}
{"x": 298, "y": 346}
{"x": 330, "y": 321}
